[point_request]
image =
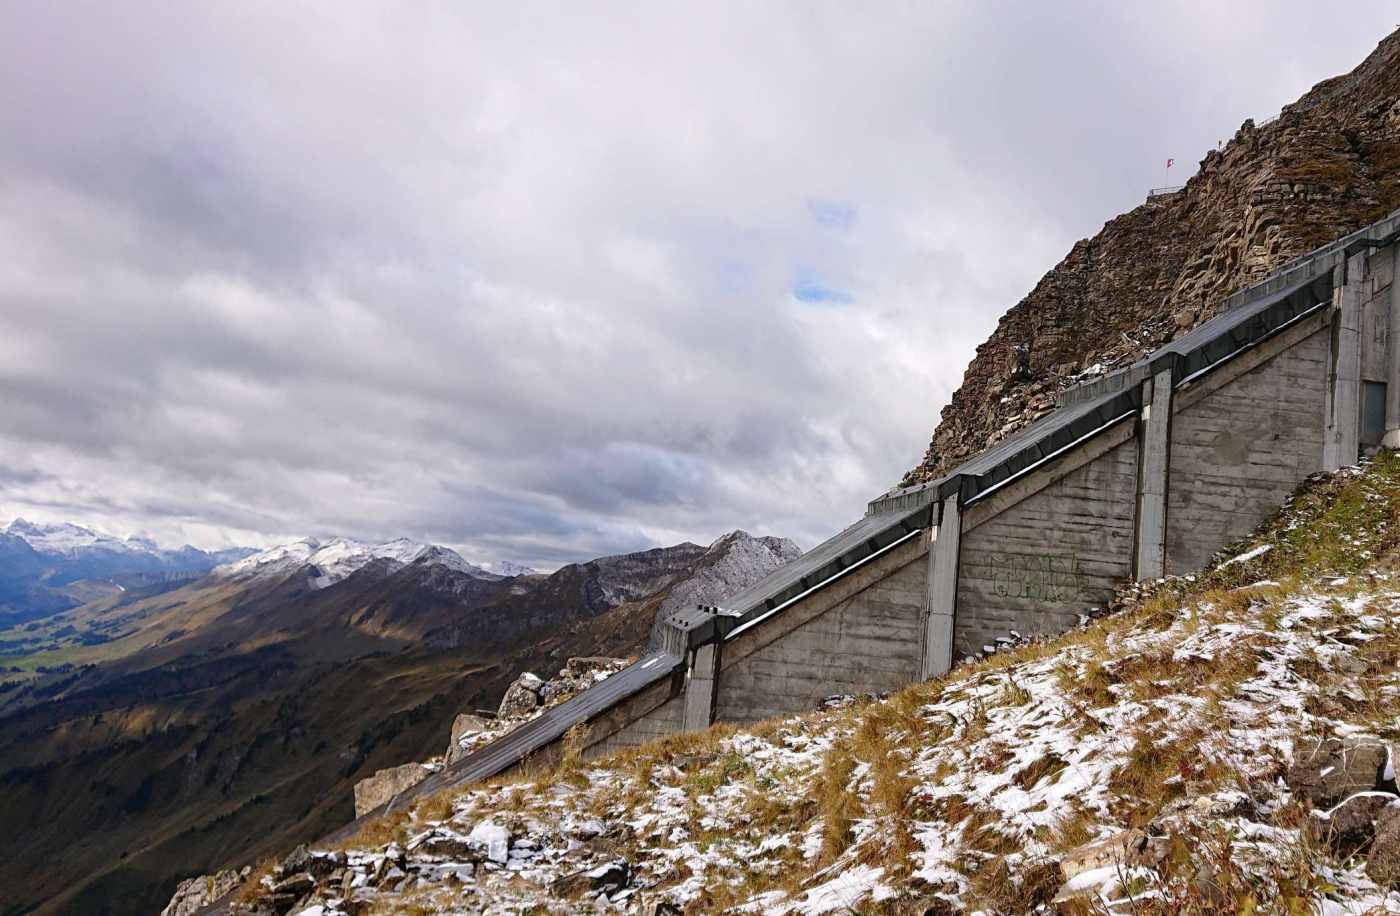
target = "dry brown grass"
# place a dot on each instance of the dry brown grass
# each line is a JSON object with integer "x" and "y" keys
{"x": 389, "y": 828}
{"x": 981, "y": 832}
{"x": 1029, "y": 776}
{"x": 1000, "y": 888}
{"x": 1160, "y": 769}
{"x": 837, "y": 801}
{"x": 892, "y": 795}
{"x": 251, "y": 890}
{"x": 1072, "y": 830}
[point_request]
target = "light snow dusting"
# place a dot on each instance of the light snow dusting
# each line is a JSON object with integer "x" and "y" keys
{"x": 1150, "y": 756}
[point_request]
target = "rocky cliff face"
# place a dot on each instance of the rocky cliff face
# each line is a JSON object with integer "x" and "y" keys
{"x": 1328, "y": 165}
{"x": 731, "y": 564}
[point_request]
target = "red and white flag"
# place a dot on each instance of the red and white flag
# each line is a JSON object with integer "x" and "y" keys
{"x": 1169, "y": 162}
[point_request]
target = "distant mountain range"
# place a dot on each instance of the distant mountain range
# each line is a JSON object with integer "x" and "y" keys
{"x": 47, "y": 568}
{"x": 77, "y": 553}
{"x": 326, "y": 563}
{"x": 182, "y": 725}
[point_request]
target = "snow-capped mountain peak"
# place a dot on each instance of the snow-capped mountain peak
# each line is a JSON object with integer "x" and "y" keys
{"x": 284, "y": 558}
{"x": 74, "y": 553}
{"x": 330, "y": 561}
{"x": 65, "y": 539}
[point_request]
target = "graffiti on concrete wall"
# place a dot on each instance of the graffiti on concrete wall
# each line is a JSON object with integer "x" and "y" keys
{"x": 1033, "y": 577}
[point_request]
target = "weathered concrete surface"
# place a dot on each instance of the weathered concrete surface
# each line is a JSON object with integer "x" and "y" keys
{"x": 860, "y": 634}
{"x": 1342, "y": 418}
{"x": 1392, "y": 298}
{"x": 1035, "y": 565}
{"x": 1238, "y": 450}
{"x": 942, "y": 591}
{"x": 653, "y": 713}
{"x": 701, "y": 686}
{"x": 1376, "y": 315}
{"x": 1154, "y": 437}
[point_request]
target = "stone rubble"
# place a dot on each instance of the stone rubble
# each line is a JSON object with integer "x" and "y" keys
{"x": 195, "y": 894}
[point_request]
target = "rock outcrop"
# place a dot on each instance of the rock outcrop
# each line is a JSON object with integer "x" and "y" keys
{"x": 1326, "y": 771}
{"x": 730, "y": 564}
{"x": 1351, "y": 781}
{"x": 464, "y": 727}
{"x": 1329, "y": 164}
{"x": 376, "y": 790}
{"x": 521, "y": 697}
{"x": 197, "y": 893}
{"x": 528, "y": 696}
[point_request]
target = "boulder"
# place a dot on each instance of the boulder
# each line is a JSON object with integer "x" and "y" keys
{"x": 1383, "y": 861}
{"x": 1351, "y": 825}
{"x": 492, "y": 839}
{"x": 325, "y": 864}
{"x": 296, "y": 861}
{"x": 1327, "y": 770}
{"x": 451, "y": 846}
{"x": 608, "y": 878}
{"x": 522, "y": 696}
{"x": 1119, "y": 850}
{"x": 376, "y": 790}
{"x": 195, "y": 894}
{"x": 464, "y": 726}
{"x": 285, "y": 894}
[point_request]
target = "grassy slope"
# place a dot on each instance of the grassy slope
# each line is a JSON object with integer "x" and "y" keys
{"x": 1177, "y": 712}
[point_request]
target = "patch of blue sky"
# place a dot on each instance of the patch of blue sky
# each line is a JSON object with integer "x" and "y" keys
{"x": 832, "y": 214}
{"x": 813, "y": 290}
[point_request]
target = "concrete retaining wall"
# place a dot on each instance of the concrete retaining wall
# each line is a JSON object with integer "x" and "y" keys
{"x": 606, "y": 736}
{"x": 1177, "y": 469}
{"x": 1376, "y": 316}
{"x": 866, "y": 640}
{"x": 1238, "y": 449}
{"x": 1035, "y": 565}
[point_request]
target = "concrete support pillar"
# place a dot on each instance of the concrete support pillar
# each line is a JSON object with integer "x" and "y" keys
{"x": 1392, "y": 358}
{"x": 942, "y": 590}
{"x": 1341, "y": 445}
{"x": 1154, "y": 453}
{"x": 701, "y": 687}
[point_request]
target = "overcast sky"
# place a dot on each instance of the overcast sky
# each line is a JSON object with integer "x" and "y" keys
{"x": 545, "y": 282}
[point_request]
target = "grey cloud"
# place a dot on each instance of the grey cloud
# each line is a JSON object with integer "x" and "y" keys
{"x": 522, "y": 279}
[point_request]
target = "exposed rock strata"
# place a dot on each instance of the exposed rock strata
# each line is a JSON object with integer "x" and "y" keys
{"x": 1328, "y": 165}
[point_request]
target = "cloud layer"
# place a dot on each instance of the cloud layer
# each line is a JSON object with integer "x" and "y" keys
{"x": 545, "y": 282}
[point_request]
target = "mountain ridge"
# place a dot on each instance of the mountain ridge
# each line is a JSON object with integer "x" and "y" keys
{"x": 1327, "y": 165}
{"x": 226, "y": 717}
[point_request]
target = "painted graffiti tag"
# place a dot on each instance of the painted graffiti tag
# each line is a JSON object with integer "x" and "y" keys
{"x": 1034, "y": 577}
